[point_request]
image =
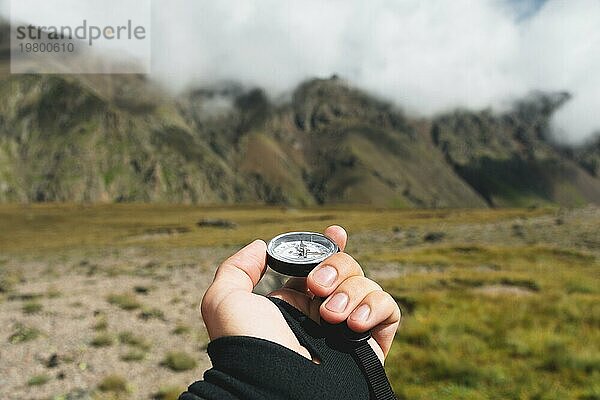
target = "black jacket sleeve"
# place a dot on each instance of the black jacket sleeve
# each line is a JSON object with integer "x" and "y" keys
{"x": 255, "y": 369}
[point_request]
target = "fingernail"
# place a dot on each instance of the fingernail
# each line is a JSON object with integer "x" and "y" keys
{"x": 325, "y": 276}
{"x": 361, "y": 313}
{"x": 337, "y": 303}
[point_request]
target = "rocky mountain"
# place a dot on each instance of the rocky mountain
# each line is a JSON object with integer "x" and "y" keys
{"x": 509, "y": 159}
{"x": 122, "y": 138}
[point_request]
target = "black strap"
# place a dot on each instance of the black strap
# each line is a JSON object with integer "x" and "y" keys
{"x": 369, "y": 363}
{"x": 342, "y": 339}
{"x": 365, "y": 357}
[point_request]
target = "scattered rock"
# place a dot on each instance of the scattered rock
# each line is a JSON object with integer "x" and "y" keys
{"x": 488, "y": 267}
{"x": 52, "y": 361}
{"x": 526, "y": 284}
{"x": 216, "y": 223}
{"x": 167, "y": 230}
{"x": 77, "y": 394}
{"x": 434, "y": 237}
{"x": 466, "y": 249}
{"x": 141, "y": 289}
{"x": 518, "y": 230}
{"x": 411, "y": 234}
{"x": 503, "y": 290}
{"x": 89, "y": 268}
{"x": 152, "y": 264}
{"x": 468, "y": 282}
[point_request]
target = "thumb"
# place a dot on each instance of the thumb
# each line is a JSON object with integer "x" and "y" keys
{"x": 240, "y": 272}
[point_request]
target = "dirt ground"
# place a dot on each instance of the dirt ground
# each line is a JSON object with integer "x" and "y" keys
{"x": 74, "y": 293}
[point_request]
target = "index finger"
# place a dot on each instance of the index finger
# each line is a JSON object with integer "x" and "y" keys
{"x": 335, "y": 233}
{"x": 338, "y": 235}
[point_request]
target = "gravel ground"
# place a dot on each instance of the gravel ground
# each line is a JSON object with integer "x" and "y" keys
{"x": 74, "y": 299}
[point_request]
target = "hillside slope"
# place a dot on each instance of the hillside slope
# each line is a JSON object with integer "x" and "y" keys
{"x": 61, "y": 140}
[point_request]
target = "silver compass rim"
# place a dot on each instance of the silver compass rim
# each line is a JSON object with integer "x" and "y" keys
{"x": 272, "y": 242}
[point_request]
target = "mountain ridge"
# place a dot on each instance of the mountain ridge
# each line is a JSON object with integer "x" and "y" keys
{"x": 121, "y": 138}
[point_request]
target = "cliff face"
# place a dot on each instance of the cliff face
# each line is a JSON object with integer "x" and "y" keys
{"x": 119, "y": 138}
{"x": 508, "y": 158}
{"x": 588, "y": 156}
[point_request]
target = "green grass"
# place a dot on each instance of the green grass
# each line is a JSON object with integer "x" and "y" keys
{"x": 38, "y": 380}
{"x": 138, "y": 346}
{"x": 53, "y": 293}
{"x": 101, "y": 324}
{"x": 168, "y": 393}
{"x": 133, "y": 355}
{"x": 152, "y": 313}
{"x": 32, "y": 307}
{"x": 461, "y": 341}
{"x": 23, "y": 333}
{"x": 8, "y": 279}
{"x": 133, "y": 340}
{"x": 179, "y": 361}
{"x": 102, "y": 339}
{"x": 181, "y": 329}
{"x": 125, "y": 301}
{"x": 113, "y": 383}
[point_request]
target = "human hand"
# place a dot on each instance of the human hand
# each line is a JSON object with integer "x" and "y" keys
{"x": 336, "y": 290}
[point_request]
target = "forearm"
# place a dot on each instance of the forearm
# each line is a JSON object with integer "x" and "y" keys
{"x": 249, "y": 368}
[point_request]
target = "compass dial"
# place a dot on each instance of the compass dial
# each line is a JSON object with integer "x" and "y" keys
{"x": 296, "y": 253}
{"x": 299, "y": 250}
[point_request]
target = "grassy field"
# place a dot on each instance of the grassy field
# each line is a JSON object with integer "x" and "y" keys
{"x": 101, "y": 301}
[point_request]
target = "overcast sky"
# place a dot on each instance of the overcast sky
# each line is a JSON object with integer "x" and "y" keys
{"x": 427, "y": 56}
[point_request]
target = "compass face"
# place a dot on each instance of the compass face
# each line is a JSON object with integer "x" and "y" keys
{"x": 301, "y": 248}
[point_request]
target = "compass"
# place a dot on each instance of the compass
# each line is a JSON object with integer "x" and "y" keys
{"x": 297, "y": 253}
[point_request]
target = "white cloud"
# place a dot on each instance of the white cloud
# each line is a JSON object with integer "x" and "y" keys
{"x": 426, "y": 55}
{"x": 560, "y": 50}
